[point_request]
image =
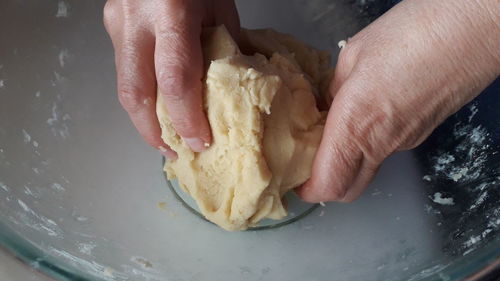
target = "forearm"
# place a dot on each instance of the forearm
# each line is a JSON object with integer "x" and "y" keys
{"x": 444, "y": 53}
{"x": 469, "y": 33}
{"x": 488, "y": 21}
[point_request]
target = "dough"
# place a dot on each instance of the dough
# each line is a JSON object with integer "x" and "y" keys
{"x": 265, "y": 124}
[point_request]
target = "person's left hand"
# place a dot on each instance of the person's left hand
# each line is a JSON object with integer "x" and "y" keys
{"x": 395, "y": 81}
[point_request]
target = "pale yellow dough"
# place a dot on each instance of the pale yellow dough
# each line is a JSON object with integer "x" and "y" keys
{"x": 265, "y": 124}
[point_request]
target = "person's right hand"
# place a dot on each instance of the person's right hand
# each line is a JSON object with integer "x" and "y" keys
{"x": 157, "y": 46}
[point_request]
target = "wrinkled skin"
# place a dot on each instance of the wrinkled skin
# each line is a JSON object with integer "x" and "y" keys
{"x": 395, "y": 81}
{"x": 157, "y": 44}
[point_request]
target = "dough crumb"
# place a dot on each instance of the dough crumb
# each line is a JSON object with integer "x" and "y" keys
{"x": 108, "y": 272}
{"x": 162, "y": 205}
{"x": 342, "y": 44}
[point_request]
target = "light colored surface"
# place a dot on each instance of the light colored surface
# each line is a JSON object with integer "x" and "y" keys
{"x": 265, "y": 126}
{"x": 12, "y": 269}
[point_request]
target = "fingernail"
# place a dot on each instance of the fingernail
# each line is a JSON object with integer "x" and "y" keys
{"x": 169, "y": 154}
{"x": 196, "y": 144}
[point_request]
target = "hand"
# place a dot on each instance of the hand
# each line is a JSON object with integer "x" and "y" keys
{"x": 395, "y": 81}
{"x": 157, "y": 45}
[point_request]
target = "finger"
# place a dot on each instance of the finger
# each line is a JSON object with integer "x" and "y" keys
{"x": 137, "y": 85}
{"x": 346, "y": 61}
{"x": 111, "y": 17}
{"x": 179, "y": 71}
{"x": 341, "y": 170}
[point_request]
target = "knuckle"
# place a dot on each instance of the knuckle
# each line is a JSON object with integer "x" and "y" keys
{"x": 178, "y": 26}
{"x": 109, "y": 9}
{"x": 335, "y": 194}
{"x": 130, "y": 98}
{"x": 180, "y": 11}
{"x": 383, "y": 135}
{"x": 133, "y": 13}
{"x": 166, "y": 26}
{"x": 184, "y": 126}
{"x": 369, "y": 127}
{"x": 110, "y": 14}
{"x": 188, "y": 125}
{"x": 125, "y": 15}
{"x": 174, "y": 81}
{"x": 348, "y": 56}
{"x": 179, "y": 94}
{"x": 176, "y": 37}
{"x": 347, "y": 155}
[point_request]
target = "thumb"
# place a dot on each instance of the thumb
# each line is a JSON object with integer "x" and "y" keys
{"x": 342, "y": 168}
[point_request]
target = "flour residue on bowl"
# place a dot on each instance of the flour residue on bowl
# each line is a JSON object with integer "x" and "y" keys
{"x": 32, "y": 191}
{"x": 38, "y": 222}
{"x": 63, "y": 57}
{"x": 429, "y": 272}
{"x": 62, "y": 9}
{"x": 473, "y": 148}
{"x": 472, "y": 243}
{"x": 28, "y": 139}
{"x": 148, "y": 274}
{"x": 86, "y": 248}
{"x": 2, "y": 81}
{"x": 89, "y": 267}
{"x": 26, "y": 136}
{"x": 143, "y": 262}
{"x": 58, "y": 120}
{"x": 480, "y": 200}
{"x": 57, "y": 187}
{"x": 466, "y": 162}
{"x": 439, "y": 199}
{"x": 4, "y": 187}
{"x": 464, "y": 188}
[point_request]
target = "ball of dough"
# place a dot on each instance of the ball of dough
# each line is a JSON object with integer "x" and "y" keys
{"x": 265, "y": 124}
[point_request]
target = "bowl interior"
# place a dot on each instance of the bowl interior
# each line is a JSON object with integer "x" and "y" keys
{"x": 79, "y": 190}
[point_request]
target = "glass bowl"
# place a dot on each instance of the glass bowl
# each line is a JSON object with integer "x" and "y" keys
{"x": 83, "y": 198}
{"x": 296, "y": 208}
